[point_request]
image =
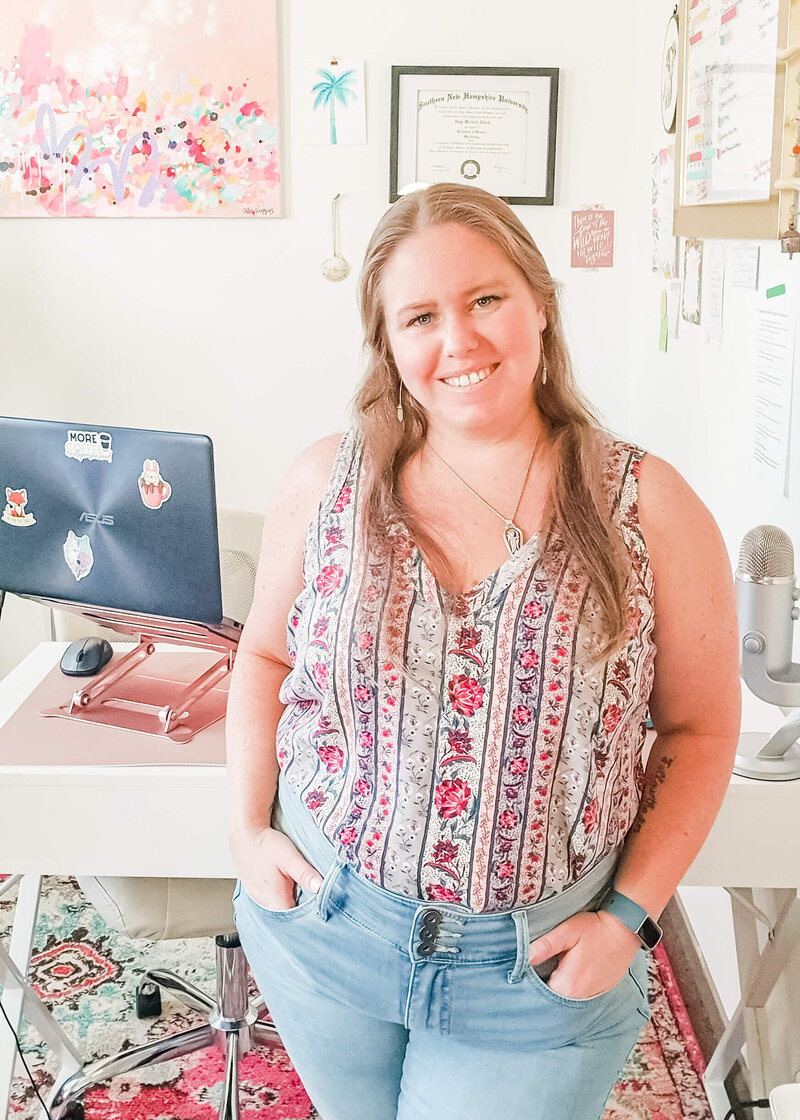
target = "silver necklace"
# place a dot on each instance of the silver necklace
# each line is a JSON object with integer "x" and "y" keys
{"x": 512, "y": 534}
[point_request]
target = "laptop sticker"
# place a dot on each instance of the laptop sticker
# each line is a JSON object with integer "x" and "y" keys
{"x": 154, "y": 490}
{"x": 14, "y": 513}
{"x": 78, "y": 555}
{"x": 82, "y": 445}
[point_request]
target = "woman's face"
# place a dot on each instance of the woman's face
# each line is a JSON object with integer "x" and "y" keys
{"x": 456, "y": 308}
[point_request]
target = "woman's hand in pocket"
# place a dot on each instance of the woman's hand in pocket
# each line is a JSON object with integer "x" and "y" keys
{"x": 594, "y": 949}
{"x": 269, "y": 866}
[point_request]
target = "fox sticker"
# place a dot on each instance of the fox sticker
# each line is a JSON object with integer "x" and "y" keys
{"x": 14, "y": 513}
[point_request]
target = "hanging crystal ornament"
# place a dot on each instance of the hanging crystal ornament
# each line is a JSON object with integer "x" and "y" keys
{"x": 335, "y": 267}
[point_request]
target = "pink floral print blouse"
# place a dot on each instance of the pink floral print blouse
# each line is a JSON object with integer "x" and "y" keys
{"x": 466, "y": 751}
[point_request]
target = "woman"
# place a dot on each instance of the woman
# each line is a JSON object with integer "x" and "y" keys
{"x": 447, "y": 910}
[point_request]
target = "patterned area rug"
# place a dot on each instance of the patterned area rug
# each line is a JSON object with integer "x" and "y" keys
{"x": 87, "y": 975}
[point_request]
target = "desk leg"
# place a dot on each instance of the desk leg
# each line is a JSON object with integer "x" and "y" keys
{"x": 748, "y": 955}
{"x": 20, "y": 1000}
{"x": 760, "y": 972}
{"x": 25, "y": 915}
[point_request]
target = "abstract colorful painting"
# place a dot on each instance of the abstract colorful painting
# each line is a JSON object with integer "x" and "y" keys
{"x": 139, "y": 108}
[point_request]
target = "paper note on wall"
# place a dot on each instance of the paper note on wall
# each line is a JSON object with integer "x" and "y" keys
{"x": 692, "y": 279}
{"x": 663, "y": 330}
{"x": 674, "y": 293}
{"x": 664, "y": 253}
{"x": 743, "y": 266}
{"x": 713, "y": 297}
{"x": 777, "y": 319}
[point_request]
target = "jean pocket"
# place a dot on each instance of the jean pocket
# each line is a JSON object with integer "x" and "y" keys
{"x": 540, "y": 983}
{"x": 640, "y": 978}
{"x": 303, "y": 907}
{"x": 306, "y": 901}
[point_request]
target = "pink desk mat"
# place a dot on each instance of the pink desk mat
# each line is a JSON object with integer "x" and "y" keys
{"x": 30, "y": 739}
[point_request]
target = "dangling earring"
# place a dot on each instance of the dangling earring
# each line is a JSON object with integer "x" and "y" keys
{"x": 544, "y": 372}
{"x": 400, "y": 403}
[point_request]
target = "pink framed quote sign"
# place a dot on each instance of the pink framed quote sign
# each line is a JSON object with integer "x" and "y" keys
{"x": 592, "y": 238}
{"x": 167, "y": 108}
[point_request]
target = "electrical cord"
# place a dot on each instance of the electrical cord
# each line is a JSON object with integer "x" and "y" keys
{"x": 736, "y": 1109}
{"x": 19, "y": 1048}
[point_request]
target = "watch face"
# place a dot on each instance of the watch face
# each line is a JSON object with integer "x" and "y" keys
{"x": 650, "y": 933}
{"x": 669, "y": 75}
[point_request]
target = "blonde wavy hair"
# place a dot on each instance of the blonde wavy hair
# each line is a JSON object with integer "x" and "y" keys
{"x": 577, "y": 510}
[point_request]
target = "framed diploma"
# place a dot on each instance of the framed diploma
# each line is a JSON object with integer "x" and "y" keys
{"x": 491, "y": 127}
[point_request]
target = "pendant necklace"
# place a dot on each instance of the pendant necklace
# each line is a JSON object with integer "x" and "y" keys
{"x": 512, "y": 534}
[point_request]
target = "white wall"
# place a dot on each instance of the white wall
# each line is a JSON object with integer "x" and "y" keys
{"x": 227, "y": 326}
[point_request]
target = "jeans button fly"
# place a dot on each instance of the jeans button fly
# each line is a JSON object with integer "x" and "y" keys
{"x": 429, "y": 932}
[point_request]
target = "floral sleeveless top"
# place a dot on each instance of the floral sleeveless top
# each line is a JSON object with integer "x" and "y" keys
{"x": 464, "y": 750}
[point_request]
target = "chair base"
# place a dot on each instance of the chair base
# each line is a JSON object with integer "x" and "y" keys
{"x": 233, "y": 1025}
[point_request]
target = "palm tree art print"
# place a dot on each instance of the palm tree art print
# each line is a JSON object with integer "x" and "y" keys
{"x": 333, "y": 88}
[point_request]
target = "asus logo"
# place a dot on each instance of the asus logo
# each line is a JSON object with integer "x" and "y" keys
{"x": 97, "y": 518}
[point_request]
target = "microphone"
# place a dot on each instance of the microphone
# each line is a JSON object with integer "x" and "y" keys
{"x": 766, "y": 594}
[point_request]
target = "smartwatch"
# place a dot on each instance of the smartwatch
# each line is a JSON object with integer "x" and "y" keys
{"x": 634, "y": 917}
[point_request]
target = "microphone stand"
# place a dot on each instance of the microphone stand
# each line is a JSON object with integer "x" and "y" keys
{"x": 776, "y": 757}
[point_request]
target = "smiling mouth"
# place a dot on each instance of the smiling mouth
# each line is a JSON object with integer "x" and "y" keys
{"x": 475, "y": 377}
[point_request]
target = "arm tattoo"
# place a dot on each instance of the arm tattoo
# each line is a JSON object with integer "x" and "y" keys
{"x": 655, "y": 778}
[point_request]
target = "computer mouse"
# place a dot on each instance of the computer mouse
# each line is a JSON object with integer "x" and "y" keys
{"x": 86, "y": 657}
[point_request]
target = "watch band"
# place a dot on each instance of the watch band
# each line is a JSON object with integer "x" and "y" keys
{"x": 634, "y": 917}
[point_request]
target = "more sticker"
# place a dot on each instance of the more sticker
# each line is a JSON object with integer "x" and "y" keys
{"x": 152, "y": 487}
{"x": 82, "y": 444}
{"x": 14, "y": 513}
{"x": 78, "y": 555}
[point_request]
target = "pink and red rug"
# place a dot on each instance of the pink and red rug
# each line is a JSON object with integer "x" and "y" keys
{"x": 87, "y": 974}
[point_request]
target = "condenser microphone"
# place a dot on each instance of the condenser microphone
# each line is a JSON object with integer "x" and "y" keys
{"x": 766, "y": 597}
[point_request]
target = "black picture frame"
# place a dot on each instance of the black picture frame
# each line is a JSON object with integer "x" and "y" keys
{"x": 510, "y": 77}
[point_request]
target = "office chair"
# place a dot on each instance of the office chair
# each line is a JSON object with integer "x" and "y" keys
{"x": 784, "y": 1102}
{"x": 163, "y": 909}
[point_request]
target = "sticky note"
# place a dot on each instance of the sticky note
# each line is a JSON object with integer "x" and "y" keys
{"x": 778, "y": 290}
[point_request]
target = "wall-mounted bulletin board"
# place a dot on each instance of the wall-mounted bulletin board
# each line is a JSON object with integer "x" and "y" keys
{"x": 737, "y": 95}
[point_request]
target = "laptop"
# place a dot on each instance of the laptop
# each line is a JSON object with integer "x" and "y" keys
{"x": 117, "y": 518}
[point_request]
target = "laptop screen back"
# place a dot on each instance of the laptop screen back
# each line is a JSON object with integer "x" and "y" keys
{"x": 110, "y": 517}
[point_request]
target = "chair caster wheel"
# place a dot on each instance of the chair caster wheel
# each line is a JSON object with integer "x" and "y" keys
{"x": 148, "y": 1001}
{"x": 74, "y": 1111}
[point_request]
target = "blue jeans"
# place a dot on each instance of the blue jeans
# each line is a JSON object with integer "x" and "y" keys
{"x": 392, "y": 1008}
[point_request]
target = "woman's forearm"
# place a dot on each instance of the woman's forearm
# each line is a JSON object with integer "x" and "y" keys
{"x": 251, "y": 724}
{"x": 686, "y": 779}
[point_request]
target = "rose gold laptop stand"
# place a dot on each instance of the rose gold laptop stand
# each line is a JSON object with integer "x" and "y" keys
{"x": 153, "y": 704}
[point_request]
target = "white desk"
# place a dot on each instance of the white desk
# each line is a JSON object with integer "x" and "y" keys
{"x": 171, "y": 820}
{"x": 87, "y": 817}
{"x": 93, "y": 820}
